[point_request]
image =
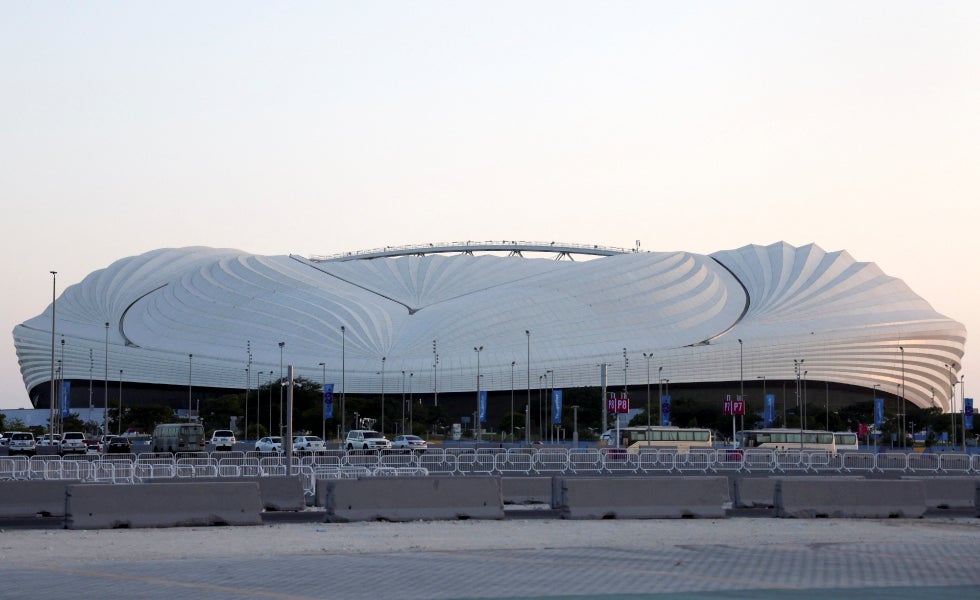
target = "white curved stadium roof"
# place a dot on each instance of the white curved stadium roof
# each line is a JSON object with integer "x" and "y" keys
{"x": 848, "y": 321}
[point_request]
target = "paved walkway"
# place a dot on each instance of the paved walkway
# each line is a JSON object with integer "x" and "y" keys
{"x": 730, "y": 558}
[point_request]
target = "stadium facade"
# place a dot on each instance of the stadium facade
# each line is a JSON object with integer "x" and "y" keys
{"x": 170, "y": 321}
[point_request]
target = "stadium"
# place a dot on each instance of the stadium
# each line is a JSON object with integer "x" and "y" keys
{"x": 172, "y": 326}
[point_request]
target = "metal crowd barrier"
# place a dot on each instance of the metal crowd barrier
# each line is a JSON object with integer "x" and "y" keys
{"x": 128, "y": 468}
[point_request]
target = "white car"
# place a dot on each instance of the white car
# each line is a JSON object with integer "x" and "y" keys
{"x": 223, "y": 439}
{"x": 74, "y": 442}
{"x": 50, "y": 439}
{"x": 366, "y": 439}
{"x": 409, "y": 443}
{"x": 269, "y": 444}
{"x": 21, "y": 442}
{"x": 308, "y": 443}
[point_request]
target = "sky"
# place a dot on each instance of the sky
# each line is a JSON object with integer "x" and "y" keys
{"x": 319, "y": 127}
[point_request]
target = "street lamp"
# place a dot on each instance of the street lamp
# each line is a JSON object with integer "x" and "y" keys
{"x": 549, "y": 406}
{"x": 435, "y": 374}
{"x": 119, "y": 425}
{"x": 281, "y": 345}
{"x": 323, "y": 407}
{"x": 648, "y": 357}
{"x": 383, "y": 358}
{"x": 798, "y": 367}
{"x": 527, "y": 409}
{"x": 763, "y": 378}
{"x": 626, "y": 366}
{"x": 411, "y": 407}
{"x": 190, "y": 381}
{"x": 54, "y": 289}
{"x": 258, "y": 403}
{"x": 902, "y": 349}
{"x": 741, "y": 383}
{"x": 952, "y": 395}
{"x": 403, "y": 402}
{"x": 105, "y": 385}
{"x": 874, "y": 400}
{"x": 476, "y": 424}
{"x": 343, "y": 378}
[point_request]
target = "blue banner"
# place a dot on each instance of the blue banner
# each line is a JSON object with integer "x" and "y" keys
{"x": 65, "y": 398}
{"x": 968, "y": 413}
{"x": 879, "y": 413}
{"x": 664, "y": 411}
{"x": 556, "y": 407}
{"x": 769, "y": 410}
{"x": 483, "y": 406}
{"x": 328, "y": 401}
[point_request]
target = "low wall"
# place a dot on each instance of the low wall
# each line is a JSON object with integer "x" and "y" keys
{"x": 410, "y": 498}
{"x": 94, "y": 506}
{"x": 950, "y": 491}
{"x": 526, "y": 490}
{"x": 808, "y": 497}
{"x": 278, "y": 493}
{"x": 641, "y": 497}
{"x": 21, "y": 498}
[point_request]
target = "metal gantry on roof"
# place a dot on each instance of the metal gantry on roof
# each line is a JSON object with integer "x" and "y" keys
{"x": 513, "y": 248}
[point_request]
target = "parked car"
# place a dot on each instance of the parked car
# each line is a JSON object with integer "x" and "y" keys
{"x": 22, "y": 442}
{"x": 269, "y": 444}
{"x": 73, "y": 442}
{"x": 409, "y": 443}
{"x": 223, "y": 439}
{"x": 366, "y": 439}
{"x": 5, "y": 438}
{"x": 118, "y": 445}
{"x": 49, "y": 439}
{"x": 94, "y": 446}
{"x": 308, "y": 443}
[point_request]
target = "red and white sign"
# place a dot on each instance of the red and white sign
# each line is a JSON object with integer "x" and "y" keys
{"x": 618, "y": 405}
{"x": 734, "y": 407}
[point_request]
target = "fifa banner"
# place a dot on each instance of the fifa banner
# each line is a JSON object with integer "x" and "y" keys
{"x": 66, "y": 398}
{"x": 328, "y": 401}
{"x": 556, "y": 407}
{"x": 665, "y": 411}
{"x": 483, "y": 406}
{"x": 879, "y": 413}
{"x": 769, "y": 411}
{"x": 968, "y": 413}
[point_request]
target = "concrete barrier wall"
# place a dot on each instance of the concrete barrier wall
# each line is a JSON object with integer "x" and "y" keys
{"x": 526, "y": 490}
{"x": 31, "y": 498}
{"x": 950, "y": 492}
{"x": 411, "y": 498}
{"x": 93, "y": 506}
{"x": 808, "y": 497}
{"x": 642, "y": 497}
{"x": 277, "y": 493}
{"x": 755, "y": 492}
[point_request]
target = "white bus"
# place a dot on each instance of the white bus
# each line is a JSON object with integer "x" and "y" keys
{"x": 788, "y": 439}
{"x": 178, "y": 437}
{"x": 846, "y": 440}
{"x": 682, "y": 439}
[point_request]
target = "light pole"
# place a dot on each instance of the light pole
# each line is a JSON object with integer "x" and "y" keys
{"x": 963, "y": 408}
{"x": 540, "y": 429}
{"x": 626, "y": 366}
{"x": 403, "y": 402}
{"x": 281, "y": 345}
{"x": 270, "y": 402}
{"x": 902, "y": 350}
{"x": 826, "y": 403}
{"x": 258, "y": 403}
{"x": 798, "y": 368}
{"x": 383, "y": 358}
{"x": 105, "y": 385}
{"x": 54, "y": 289}
{"x": 343, "y": 378}
{"x": 548, "y": 403}
{"x": 527, "y": 411}
{"x": 874, "y": 401}
{"x": 91, "y": 369}
{"x": 119, "y": 425}
{"x": 435, "y": 374}
{"x": 248, "y": 381}
{"x": 649, "y": 412}
{"x": 952, "y": 395}
{"x": 411, "y": 407}
{"x": 323, "y": 407}
{"x": 190, "y": 384}
{"x": 741, "y": 383}
{"x": 476, "y": 424}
